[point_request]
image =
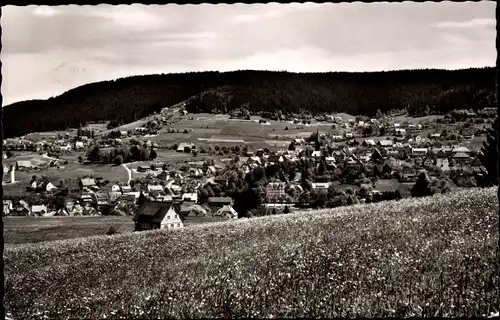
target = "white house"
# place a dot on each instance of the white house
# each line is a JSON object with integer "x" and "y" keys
{"x": 321, "y": 185}
{"x": 157, "y": 188}
{"x": 39, "y": 210}
{"x": 79, "y": 145}
{"x": 418, "y": 151}
{"x": 50, "y": 187}
{"x": 157, "y": 215}
{"x": 190, "y": 197}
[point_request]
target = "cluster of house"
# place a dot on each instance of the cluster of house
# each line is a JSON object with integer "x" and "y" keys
{"x": 63, "y": 145}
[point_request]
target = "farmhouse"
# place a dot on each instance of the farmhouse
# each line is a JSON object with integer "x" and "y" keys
{"x": 157, "y": 215}
{"x": 185, "y": 147}
{"x": 23, "y": 164}
{"x": 39, "y": 210}
{"x": 87, "y": 183}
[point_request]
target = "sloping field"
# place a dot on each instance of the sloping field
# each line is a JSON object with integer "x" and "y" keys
{"x": 416, "y": 257}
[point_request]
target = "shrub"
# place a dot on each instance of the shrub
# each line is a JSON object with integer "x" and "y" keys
{"x": 111, "y": 231}
{"x": 118, "y": 160}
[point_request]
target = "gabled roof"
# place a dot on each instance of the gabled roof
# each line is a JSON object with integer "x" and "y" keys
{"x": 152, "y": 211}
{"x": 87, "y": 182}
{"x": 385, "y": 142}
{"x": 38, "y": 208}
{"x": 227, "y": 210}
{"x": 461, "y": 155}
{"x": 155, "y": 187}
{"x": 460, "y": 149}
{"x": 24, "y": 163}
{"x": 220, "y": 200}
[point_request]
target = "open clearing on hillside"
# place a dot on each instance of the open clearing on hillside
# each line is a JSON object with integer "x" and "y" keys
{"x": 68, "y": 171}
{"x": 426, "y": 257}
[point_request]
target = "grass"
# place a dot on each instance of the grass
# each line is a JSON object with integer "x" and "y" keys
{"x": 424, "y": 257}
{"x": 19, "y": 230}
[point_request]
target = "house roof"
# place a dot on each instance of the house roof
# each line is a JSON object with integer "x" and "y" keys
{"x": 38, "y": 208}
{"x": 152, "y": 211}
{"x": 155, "y": 187}
{"x": 220, "y": 199}
{"x": 24, "y": 163}
{"x": 182, "y": 145}
{"x": 87, "y": 182}
{"x": 370, "y": 142}
{"x": 461, "y": 149}
{"x": 461, "y": 155}
{"x": 385, "y": 142}
{"x": 227, "y": 210}
{"x": 321, "y": 184}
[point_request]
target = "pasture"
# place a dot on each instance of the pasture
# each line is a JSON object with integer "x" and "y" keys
{"x": 426, "y": 257}
{"x": 213, "y": 129}
{"x": 18, "y": 230}
{"x": 70, "y": 171}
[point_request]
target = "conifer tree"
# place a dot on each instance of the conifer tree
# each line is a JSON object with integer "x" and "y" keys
{"x": 422, "y": 187}
{"x": 489, "y": 157}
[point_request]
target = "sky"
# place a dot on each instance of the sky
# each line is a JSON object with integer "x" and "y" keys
{"x": 49, "y": 50}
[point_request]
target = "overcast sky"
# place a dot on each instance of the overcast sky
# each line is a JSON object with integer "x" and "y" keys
{"x": 49, "y": 50}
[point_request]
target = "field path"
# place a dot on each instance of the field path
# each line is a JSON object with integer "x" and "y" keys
{"x": 129, "y": 173}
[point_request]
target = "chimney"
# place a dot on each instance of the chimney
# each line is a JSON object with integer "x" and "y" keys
{"x": 13, "y": 174}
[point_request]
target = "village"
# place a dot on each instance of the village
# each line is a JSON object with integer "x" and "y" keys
{"x": 356, "y": 160}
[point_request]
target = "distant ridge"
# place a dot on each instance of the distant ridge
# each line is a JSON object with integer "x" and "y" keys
{"x": 131, "y": 98}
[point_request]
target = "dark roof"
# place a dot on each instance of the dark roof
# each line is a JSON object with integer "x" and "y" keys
{"x": 220, "y": 199}
{"x": 152, "y": 212}
{"x": 126, "y": 197}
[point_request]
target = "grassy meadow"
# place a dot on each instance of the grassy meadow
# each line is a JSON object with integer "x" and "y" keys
{"x": 427, "y": 257}
{"x": 19, "y": 230}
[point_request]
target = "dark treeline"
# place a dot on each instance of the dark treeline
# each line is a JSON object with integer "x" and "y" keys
{"x": 128, "y": 99}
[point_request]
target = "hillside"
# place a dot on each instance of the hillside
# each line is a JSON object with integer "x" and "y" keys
{"x": 132, "y": 98}
{"x": 422, "y": 257}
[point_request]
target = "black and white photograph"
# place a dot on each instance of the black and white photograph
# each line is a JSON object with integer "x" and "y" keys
{"x": 273, "y": 160}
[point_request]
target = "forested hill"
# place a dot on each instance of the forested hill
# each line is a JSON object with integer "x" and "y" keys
{"x": 131, "y": 98}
